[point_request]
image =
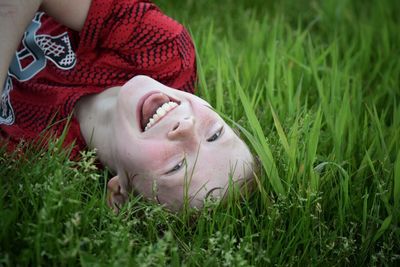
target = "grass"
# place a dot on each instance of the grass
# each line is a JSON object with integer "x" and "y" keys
{"x": 314, "y": 88}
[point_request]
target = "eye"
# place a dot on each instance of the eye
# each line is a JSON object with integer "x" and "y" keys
{"x": 177, "y": 167}
{"x": 216, "y": 135}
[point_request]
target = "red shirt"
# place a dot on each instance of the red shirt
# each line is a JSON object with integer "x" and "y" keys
{"x": 55, "y": 66}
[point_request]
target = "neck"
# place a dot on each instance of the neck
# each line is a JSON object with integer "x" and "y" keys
{"x": 95, "y": 114}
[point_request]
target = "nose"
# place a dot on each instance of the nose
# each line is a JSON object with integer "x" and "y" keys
{"x": 183, "y": 130}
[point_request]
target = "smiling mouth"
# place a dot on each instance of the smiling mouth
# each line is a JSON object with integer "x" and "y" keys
{"x": 155, "y": 107}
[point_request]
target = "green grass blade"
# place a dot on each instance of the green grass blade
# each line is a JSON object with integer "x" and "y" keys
{"x": 263, "y": 150}
{"x": 313, "y": 139}
{"x": 281, "y": 133}
{"x": 384, "y": 227}
{"x": 396, "y": 184}
{"x": 312, "y": 146}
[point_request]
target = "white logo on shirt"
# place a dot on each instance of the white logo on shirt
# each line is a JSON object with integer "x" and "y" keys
{"x": 37, "y": 49}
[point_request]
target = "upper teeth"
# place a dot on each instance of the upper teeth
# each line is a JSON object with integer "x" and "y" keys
{"x": 161, "y": 111}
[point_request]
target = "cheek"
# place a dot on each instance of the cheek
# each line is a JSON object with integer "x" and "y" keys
{"x": 144, "y": 185}
{"x": 170, "y": 194}
{"x": 144, "y": 157}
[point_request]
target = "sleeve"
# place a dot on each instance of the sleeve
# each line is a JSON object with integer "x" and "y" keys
{"x": 136, "y": 36}
{"x": 115, "y": 24}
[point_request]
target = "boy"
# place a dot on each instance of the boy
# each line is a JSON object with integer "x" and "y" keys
{"x": 164, "y": 143}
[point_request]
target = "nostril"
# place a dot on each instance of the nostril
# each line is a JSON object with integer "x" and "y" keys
{"x": 176, "y": 126}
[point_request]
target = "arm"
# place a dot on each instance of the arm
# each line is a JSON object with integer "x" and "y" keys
{"x": 71, "y": 13}
{"x": 15, "y": 16}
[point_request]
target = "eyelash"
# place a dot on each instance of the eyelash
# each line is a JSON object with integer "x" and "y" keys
{"x": 216, "y": 135}
{"x": 177, "y": 167}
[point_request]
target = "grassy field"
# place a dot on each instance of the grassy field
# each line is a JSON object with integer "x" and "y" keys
{"x": 314, "y": 88}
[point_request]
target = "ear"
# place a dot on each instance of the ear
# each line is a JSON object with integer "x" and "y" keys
{"x": 115, "y": 198}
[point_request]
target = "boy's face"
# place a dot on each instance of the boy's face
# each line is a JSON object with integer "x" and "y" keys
{"x": 185, "y": 150}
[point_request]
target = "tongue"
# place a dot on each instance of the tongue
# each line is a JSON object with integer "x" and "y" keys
{"x": 150, "y": 106}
